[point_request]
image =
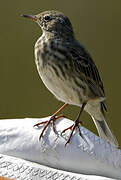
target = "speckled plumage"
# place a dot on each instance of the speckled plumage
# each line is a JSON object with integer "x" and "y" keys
{"x": 67, "y": 69}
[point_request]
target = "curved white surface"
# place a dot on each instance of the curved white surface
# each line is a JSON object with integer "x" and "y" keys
{"x": 90, "y": 156}
{"x": 19, "y": 169}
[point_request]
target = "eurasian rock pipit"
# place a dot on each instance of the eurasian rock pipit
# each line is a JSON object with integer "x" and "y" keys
{"x": 68, "y": 71}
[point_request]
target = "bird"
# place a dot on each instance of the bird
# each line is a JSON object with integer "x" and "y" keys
{"x": 70, "y": 74}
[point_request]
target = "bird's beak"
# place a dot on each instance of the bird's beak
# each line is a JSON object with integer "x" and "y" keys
{"x": 33, "y": 17}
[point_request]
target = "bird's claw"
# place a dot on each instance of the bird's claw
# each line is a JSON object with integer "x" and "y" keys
{"x": 47, "y": 123}
{"x": 72, "y": 128}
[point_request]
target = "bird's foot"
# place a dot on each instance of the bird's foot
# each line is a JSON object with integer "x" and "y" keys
{"x": 72, "y": 128}
{"x": 47, "y": 123}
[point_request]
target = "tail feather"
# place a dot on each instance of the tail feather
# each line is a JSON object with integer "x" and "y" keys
{"x": 105, "y": 132}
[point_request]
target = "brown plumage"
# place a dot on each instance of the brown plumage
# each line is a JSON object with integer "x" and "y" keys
{"x": 68, "y": 71}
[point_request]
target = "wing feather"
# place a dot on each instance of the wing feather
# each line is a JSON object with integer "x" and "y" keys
{"x": 85, "y": 66}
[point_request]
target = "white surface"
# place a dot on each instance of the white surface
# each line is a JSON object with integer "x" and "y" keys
{"x": 23, "y": 170}
{"x": 91, "y": 155}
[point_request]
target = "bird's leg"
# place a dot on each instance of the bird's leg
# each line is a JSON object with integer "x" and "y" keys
{"x": 75, "y": 125}
{"x": 52, "y": 120}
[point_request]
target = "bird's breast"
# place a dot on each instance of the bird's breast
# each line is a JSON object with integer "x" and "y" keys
{"x": 58, "y": 78}
{"x": 62, "y": 88}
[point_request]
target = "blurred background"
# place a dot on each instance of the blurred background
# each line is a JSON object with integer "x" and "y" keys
{"x": 97, "y": 25}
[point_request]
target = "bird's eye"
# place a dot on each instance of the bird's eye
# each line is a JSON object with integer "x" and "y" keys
{"x": 47, "y": 18}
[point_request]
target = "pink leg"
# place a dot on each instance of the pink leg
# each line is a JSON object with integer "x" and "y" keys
{"x": 52, "y": 120}
{"x": 75, "y": 125}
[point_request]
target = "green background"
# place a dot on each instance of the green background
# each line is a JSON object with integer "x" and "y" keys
{"x": 97, "y": 25}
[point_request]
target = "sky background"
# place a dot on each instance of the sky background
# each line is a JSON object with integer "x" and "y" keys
{"x": 97, "y": 25}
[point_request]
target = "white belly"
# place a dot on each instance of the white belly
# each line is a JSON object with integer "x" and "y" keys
{"x": 61, "y": 88}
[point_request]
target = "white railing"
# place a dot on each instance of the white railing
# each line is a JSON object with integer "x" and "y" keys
{"x": 87, "y": 158}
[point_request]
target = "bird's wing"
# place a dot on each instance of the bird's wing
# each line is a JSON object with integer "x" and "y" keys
{"x": 85, "y": 66}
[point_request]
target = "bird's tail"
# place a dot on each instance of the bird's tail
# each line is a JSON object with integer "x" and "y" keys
{"x": 105, "y": 132}
{"x": 97, "y": 112}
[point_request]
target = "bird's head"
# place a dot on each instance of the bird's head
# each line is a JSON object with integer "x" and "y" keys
{"x": 52, "y": 21}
